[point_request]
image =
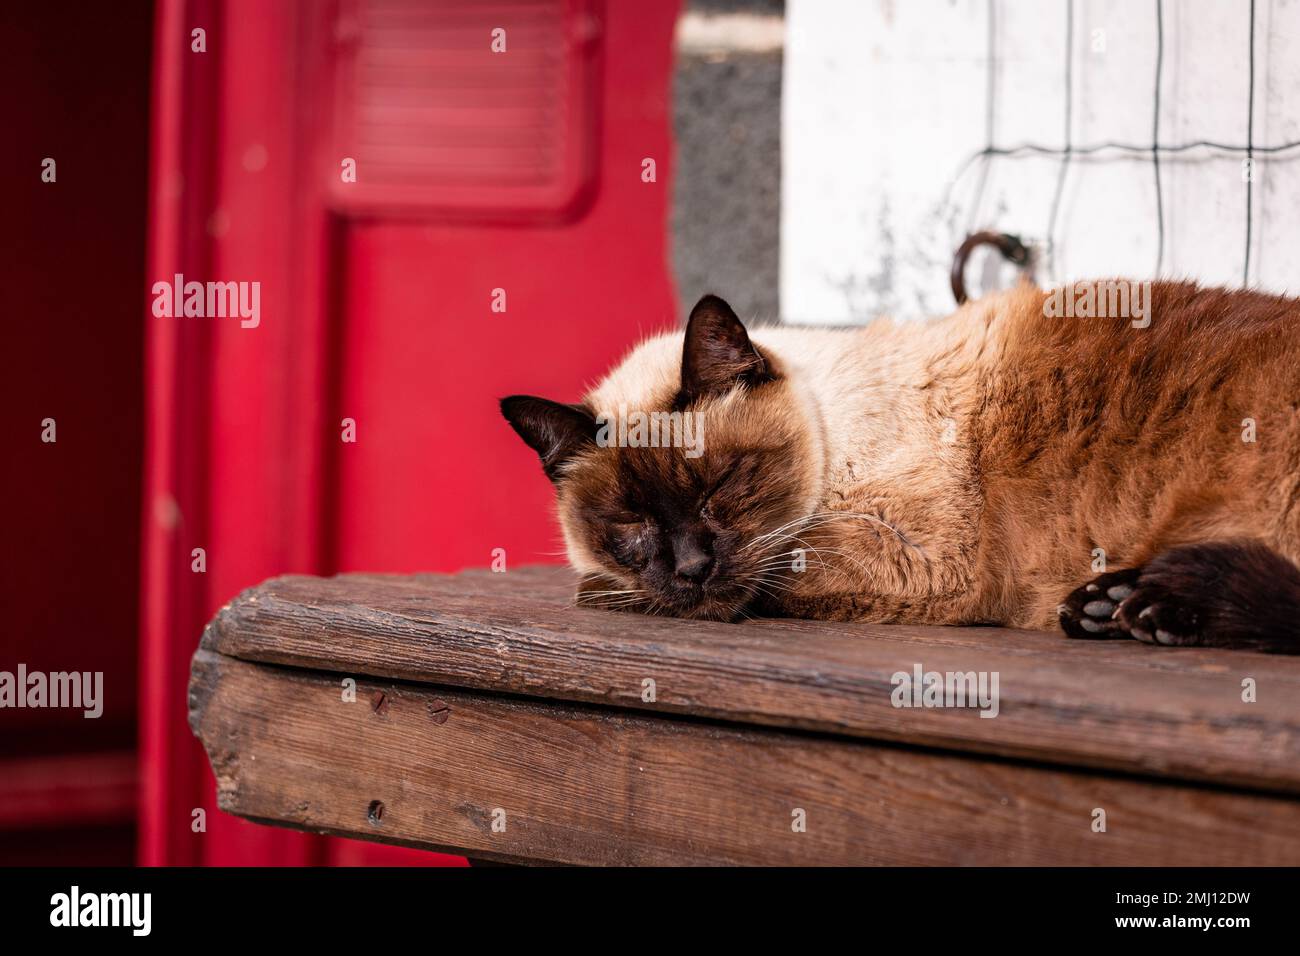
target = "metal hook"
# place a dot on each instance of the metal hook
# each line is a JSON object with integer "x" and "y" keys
{"x": 1012, "y": 249}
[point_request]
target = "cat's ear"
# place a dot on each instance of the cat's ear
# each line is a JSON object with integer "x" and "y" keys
{"x": 556, "y": 432}
{"x": 718, "y": 354}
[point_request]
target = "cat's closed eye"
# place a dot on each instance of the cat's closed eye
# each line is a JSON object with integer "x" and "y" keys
{"x": 629, "y": 543}
{"x": 710, "y": 499}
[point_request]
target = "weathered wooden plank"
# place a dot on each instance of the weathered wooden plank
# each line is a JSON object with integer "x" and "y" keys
{"x": 432, "y": 767}
{"x": 1118, "y": 705}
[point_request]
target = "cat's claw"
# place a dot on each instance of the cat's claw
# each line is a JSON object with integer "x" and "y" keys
{"x": 1094, "y": 611}
{"x": 1158, "y": 622}
{"x": 1116, "y": 605}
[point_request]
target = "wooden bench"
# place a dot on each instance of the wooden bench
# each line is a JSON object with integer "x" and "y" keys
{"x": 494, "y": 719}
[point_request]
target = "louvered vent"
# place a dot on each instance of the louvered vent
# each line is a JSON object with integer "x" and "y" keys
{"x": 439, "y": 123}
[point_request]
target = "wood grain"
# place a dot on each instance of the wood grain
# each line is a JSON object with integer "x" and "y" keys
{"x": 431, "y": 767}
{"x": 1120, "y": 705}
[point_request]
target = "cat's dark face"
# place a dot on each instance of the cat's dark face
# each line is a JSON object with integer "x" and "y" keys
{"x": 685, "y": 528}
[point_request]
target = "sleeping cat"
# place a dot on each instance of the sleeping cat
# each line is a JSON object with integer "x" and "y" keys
{"x": 997, "y": 466}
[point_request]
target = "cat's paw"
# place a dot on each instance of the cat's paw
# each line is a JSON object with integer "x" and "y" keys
{"x": 1091, "y": 611}
{"x": 1236, "y": 594}
{"x": 1129, "y": 603}
{"x": 1154, "y": 614}
{"x": 1218, "y": 594}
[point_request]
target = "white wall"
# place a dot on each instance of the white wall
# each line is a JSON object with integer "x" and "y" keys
{"x": 884, "y": 101}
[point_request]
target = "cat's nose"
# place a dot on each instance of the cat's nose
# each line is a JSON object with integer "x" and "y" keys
{"x": 693, "y": 563}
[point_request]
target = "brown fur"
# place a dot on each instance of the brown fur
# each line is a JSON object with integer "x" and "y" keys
{"x": 965, "y": 471}
{"x": 1096, "y": 434}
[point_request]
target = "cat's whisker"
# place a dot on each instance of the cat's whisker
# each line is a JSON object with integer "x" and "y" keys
{"x": 610, "y": 599}
{"x": 778, "y": 574}
{"x": 785, "y": 558}
{"x": 619, "y": 606}
{"x": 876, "y": 519}
{"x": 862, "y": 567}
{"x": 812, "y": 522}
{"x": 775, "y": 531}
{"x": 783, "y": 555}
{"x": 775, "y": 593}
{"x": 777, "y": 561}
{"x": 780, "y": 564}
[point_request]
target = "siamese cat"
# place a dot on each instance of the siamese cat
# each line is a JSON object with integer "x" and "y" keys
{"x": 1113, "y": 478}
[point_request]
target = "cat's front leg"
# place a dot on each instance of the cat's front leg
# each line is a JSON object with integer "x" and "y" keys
{"x": 813, "y": 607}
{"x": 842, "y": 606}
{"x": 804, "y": 585}
{"x": 857, "y": 584}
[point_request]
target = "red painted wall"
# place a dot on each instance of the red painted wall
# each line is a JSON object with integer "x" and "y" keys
{"x": 383, "y": 318}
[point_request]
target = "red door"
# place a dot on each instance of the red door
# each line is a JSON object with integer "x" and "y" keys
{"x": 499, "y": 236}
{"x": 74, "y": 169}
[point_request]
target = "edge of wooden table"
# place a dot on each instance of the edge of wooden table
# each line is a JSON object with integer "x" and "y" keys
{"x": 1116, "y": 705}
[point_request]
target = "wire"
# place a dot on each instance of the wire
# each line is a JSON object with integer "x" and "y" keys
{"x": 1094, "y": 151}
{"x": 1086, "y": 153}
{"x": 1069, "y": 126}
{"x": 1155, "y": 140}
{"x": 1250, "y": 147}
{"x": 1020, "y": 148}
{"x": 990, "y": 106}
